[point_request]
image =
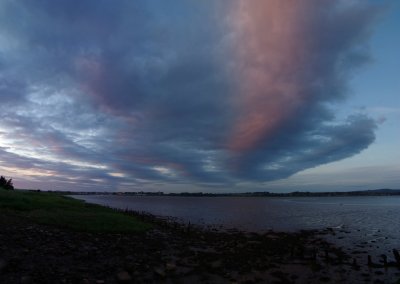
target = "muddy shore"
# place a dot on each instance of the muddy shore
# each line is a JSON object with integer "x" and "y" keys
{"x": 175, "y": 253}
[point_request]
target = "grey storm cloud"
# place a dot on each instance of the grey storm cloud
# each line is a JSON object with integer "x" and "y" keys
{"x": 150, "y": 91}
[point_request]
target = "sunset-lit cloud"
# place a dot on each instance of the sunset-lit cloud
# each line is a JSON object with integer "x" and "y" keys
{"x": 216, "y": 93}
{"x": 274, "y": 57}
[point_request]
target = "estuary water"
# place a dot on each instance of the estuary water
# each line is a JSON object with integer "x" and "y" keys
{"x": 371, "y": 222}
{"x": 263, "y": 213}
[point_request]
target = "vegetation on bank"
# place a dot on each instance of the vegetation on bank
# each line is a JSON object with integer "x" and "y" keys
{"x": 6, "y": 184}
{"x": 66, "y": 212}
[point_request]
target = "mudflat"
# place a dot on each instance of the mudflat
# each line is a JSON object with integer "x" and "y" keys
{"x": 167, "y": 253}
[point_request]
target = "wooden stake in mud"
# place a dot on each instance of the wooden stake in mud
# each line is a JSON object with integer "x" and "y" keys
{"x": 369, "y": 260}
{"x": 384, "y": 258}
{"x": 396, "y": 256}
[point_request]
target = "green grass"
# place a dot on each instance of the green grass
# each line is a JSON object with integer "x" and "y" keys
{"x": 66, "y": 212}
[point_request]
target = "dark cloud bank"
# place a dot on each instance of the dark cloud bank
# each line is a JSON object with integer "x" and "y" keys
{"x": 126, "y": 93}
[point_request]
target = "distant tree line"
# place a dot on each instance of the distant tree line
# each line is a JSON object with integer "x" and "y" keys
{"x": 6, "y": 184}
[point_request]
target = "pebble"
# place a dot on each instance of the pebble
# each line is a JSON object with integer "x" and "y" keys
{"x": 170, "y": 266}
{"x": 25, "y": 279}
{"x": 160, "y": 272}
{"x": 216, "y": 264}
{"x": 3, "y": 264}
{"x": 123, "y": 276}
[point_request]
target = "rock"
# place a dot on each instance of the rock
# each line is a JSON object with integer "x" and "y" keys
{"x": 160, "y": 272}
{"x": 130, "y": 258}
{"x": 254, "y": 242}
{"x": 124, "y": 276}
{"x": 183, "y": 270}
{"x": 170, "y": 266}
{"x": 3, "y": 264}
{"x": 216, "y": 264}
{"x": 25, "y": 279}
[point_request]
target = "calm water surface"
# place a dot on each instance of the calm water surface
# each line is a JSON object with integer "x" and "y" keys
{"x": 369, "y": 214}
{"x": 370, "y": 224}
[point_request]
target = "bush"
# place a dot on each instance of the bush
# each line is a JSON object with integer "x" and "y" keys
{"x": 7, "y": 184}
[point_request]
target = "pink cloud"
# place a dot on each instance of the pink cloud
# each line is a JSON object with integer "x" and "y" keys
{"x": 272, "y": 51}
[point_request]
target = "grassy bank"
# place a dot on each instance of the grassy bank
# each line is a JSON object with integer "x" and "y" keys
{"x": 66, "y": 212}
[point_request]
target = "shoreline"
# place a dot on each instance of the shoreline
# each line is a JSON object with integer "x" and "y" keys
{"x": 173, "y": 252}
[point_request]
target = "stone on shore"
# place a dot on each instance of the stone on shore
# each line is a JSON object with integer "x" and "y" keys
{"x": 160, "y": 272}
{"x": 170, "y": 266}
{"x": 123, "y": 276}
{"x": 3, "y": 264}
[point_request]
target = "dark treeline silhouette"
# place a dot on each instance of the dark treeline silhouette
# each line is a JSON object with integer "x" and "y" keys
{"x": 373, "y": 192}
{"x": 6, "y": 184}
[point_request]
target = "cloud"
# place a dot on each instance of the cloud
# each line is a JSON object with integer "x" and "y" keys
{"x": 205, "y": 92}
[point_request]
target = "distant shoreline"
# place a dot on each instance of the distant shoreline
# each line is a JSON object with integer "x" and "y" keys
{"x": 374, "y": 192}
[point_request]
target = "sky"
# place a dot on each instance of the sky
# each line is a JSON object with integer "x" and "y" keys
{"x": 211, "y": 95}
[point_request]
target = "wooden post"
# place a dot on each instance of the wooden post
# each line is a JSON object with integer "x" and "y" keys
{"x": 396, "y": 256}
{"x": 384, "y": 258}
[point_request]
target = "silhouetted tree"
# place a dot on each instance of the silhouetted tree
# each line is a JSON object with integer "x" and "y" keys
{"x": 7, "y": 184}
{"x": 3, "y": 181}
